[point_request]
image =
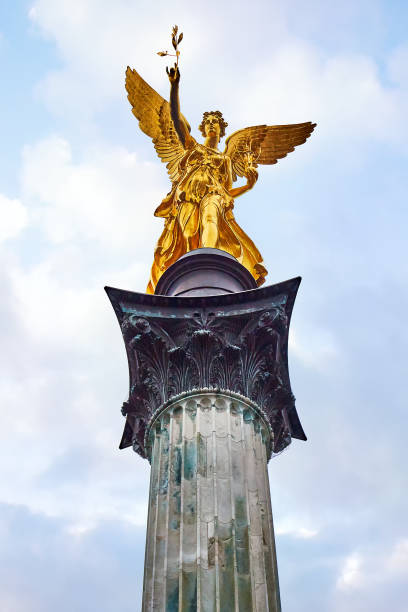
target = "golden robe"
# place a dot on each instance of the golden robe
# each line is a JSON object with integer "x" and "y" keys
{"x": 205, "y": 175}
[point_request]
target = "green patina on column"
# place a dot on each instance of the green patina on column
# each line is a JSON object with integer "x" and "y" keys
{"x": 210, "y": 541}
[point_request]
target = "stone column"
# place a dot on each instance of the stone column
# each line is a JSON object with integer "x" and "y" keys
{"x": 210, "y": 541}
{"x": 209, "y": 403}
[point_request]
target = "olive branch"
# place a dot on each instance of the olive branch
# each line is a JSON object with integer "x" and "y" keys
{"x": 175, "y": 41}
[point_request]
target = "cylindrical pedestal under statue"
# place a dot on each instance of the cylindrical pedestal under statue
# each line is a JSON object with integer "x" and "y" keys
{"x": 209, "y": 402}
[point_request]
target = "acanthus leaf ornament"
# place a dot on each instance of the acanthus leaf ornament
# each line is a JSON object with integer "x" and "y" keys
{"x": 240, "y": 347}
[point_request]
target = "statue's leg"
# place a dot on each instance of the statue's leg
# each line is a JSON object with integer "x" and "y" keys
{"x": 209, "y": 214}
{"x": 188, "y": 221}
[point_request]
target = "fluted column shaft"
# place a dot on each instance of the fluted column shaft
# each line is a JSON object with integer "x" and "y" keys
{"x": 210, "y": 540}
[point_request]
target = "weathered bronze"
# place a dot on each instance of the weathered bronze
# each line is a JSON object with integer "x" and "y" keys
{"x": 236, "y": 342}
{"x": 198, "y": 210}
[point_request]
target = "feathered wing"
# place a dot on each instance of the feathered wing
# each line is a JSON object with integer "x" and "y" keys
{"x": 153, "y": 113}
{"x": 264, "y": 144}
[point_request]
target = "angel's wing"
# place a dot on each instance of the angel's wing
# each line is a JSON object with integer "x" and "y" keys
{"x": 153, "y": 113}
{"x": 264, "y": 144}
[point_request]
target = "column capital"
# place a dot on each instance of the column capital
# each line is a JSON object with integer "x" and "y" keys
{"x": 236, "y": 342}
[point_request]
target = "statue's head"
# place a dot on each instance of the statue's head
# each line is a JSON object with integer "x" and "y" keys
{"x": 210, "y": 119}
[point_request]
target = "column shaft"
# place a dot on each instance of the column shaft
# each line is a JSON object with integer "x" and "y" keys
{"x": 210, "y": 539}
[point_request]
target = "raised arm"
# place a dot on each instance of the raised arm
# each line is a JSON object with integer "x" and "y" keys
{"x": 179, "y": 123}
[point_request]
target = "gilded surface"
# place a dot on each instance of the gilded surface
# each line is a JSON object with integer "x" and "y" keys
{"x": 198, "y": 211}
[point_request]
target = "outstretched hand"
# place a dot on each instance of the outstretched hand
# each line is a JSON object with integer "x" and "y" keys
{"x": 252, "y": 177}
{"x": 173, "y": 74}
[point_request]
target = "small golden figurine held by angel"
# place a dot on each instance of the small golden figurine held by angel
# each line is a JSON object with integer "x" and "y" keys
{"x": 198, "y": 211}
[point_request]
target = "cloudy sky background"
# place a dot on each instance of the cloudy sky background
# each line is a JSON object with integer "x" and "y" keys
{"x": 78, "y": 186}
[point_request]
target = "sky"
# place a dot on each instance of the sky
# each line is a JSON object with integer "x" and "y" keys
{"x": 78, "y": 186}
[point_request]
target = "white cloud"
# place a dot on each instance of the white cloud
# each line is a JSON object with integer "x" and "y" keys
{"x": 397, "y": 562}
{"x": 342, "y": 92}
{"x": 108, "y": 197}
{"x": 61, "y": 401}
{"x": 295, "y": 526}
{"x": 59, "y": 436}
{"x": 292, "y": 80}
{"x": 78, "y": 530}
{"x": 14, "y": 217}
{"x": 351, "y": 575}
{"x": 96, "y": 44}
{"x": 366, "y": 572}
{"x": 306, "y": 534}
{"x": 62, "y": 396}
{"x": 316, "y": 348}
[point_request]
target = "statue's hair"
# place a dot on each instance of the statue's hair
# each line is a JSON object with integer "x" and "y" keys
{"x": 221, "y": 121}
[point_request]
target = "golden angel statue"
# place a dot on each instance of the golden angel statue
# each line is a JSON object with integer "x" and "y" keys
{"x": 198, "y": 211}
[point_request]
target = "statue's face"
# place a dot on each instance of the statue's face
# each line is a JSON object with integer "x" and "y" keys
{"x": 212, "y": 126}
